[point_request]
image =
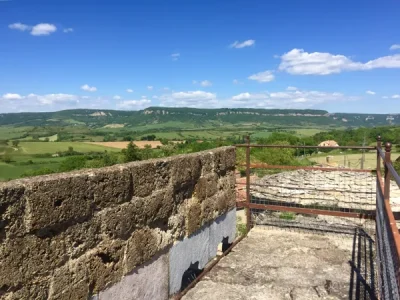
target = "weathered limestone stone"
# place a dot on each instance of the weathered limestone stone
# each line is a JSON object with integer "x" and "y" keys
{"x": 22, "y": 259}
{"x": 90, "y": 273}
{"x": 12, "y": 206}
{"x": 38, "y": 290}
{"x": 111, "y": 186}
{"x": 75, "y": 235}
{"x": 193, "y": 217}
{"x": 53, "y": 201}
{"x": 148, "y": 176}
{"x": 225, "y": 159}
{"x": 144, "y": 244}
{"x": 185, "y": 170}
{"x": 206, "y": 186}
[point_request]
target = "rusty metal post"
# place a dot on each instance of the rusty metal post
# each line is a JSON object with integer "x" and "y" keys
{"x": 248, "y": 196}
{"x": 388, "y": 148}
{"x": 378, "y": 157}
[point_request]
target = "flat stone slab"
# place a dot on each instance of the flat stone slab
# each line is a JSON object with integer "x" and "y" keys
{"x": 281, "y": 264}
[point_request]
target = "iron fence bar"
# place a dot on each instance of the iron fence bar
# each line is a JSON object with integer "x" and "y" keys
{"x": 267, "y": 166}
{"x": 307, "y": 211}
{"x": 386, "y": 193}
{"x": 394, "y": 174}
{"x": 306, "y": 147}
{"x": 248, "y": 195}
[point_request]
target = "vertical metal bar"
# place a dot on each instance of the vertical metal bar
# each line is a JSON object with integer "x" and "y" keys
{"x": 388, "y": 148}
{"x": 248, "y": 212}
{"x": 378, "y": 157}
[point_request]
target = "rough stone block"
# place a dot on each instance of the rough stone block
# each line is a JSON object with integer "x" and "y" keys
{"x": 206, "y": 186}
{"x": 36, "y": 290}
{"x": 143, "y": 245}
{"x": 224, "y": 160}
{"x": 120, "y": 221}
{"x": 22, "y": 259}
{"x": 12, "y": 207}
{"x": 90, "y": 273}
{"x": 193, "y": 217}
{"x": 185, "y": 169}
{"x": 158, "y": 207}
{"x": 111, "y": 186}
{"x": 148, "y": 176}
{"x": 207, "y": 162}
{"x": 56, "y": 200}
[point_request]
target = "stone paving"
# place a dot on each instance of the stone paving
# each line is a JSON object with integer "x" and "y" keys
{"x": 281, "y": 264}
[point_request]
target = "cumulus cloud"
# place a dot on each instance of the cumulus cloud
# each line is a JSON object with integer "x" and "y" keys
{"x": 189, "y": 99}
{"x": 370, "y": 92}
{"x": 396, "y": 97}
{"x": 43, "y": 29}
{"x": 288, "y": 99}
{"x": 244, "y": 44}
{"x": 291, "y": 88}
{"x": 175, "y": 56}
{"x": 10, "y": 96}
{"x": 134, "y": 104}
{"x": 20, "y": 26}
{"x": 36, "y": 30}
{"x": 395, "y": 47}
{"x": 265, "y": 76}
{"x": 88, "y": 88}
{"x": 129, "y": 90}
{"x": 116, "y": 97}
{"x": 299, "y": 62}
{"x": 66, "y": 30}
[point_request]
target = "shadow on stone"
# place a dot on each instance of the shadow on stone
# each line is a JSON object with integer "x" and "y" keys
{"x": 190, "y": 275}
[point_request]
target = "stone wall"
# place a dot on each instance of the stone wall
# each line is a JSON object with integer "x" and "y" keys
{"x": 113, "y": 233}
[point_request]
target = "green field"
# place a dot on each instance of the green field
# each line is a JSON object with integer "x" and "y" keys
{"x": 354, "y": 159}
{"x": 54, "y": 147}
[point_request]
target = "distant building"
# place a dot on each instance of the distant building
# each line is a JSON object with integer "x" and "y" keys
{"x": 329, "y": 143}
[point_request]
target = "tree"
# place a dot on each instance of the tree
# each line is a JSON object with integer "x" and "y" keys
{"x": 132, "y": 152}
{"x": 146, "y": 151}
{"x": 15, "y": 143}
{"x": 72, "y": 163}
{"x": 7, "y": 158}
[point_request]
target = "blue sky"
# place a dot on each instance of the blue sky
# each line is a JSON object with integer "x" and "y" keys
{"x": 342, "y": 56}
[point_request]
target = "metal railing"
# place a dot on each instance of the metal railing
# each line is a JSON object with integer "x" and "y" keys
{"x": 387, "y": 233}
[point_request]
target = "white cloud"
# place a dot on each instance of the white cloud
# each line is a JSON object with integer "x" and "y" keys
{"x": 166, "y": 89}
{"x": 189, "y": 99}
{"x": 116, "y": 97}
{"x": 175, "y": 56}
{"x": 299, "y": 62}
{"x": 11, "y": 96}
{"x": 265, "y": 76}
{"x": 20, "y": 26}
{"x": 291, "y": 88}
{"x": 288, "y": 99}
{"x": 43, "y": 29}
{"x": 129, "y": 90}
{"x": 235, "y": 81}
{"x": 370, "y": 92}
{"x": 66, "y": 30}
{"x": 88, "y": 88}
{"x": 134, "y": 104}
{"x": 38, "y": 29}
{"x": 54, "y": 98}
{"x": 150, "y": 88}
{"x": 206, "y": 83}
{"x": 244, "y": 44}
{"x": 396, "y": 97}
{"x": 395, "y": 47}
{"x": 385, "y": 97}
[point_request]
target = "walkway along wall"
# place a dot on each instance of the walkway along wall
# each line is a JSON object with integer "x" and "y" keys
{"x": 124, "y": 232}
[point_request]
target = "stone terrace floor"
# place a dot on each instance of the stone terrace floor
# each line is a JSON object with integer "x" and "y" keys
{"x": 273, "y": 263}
